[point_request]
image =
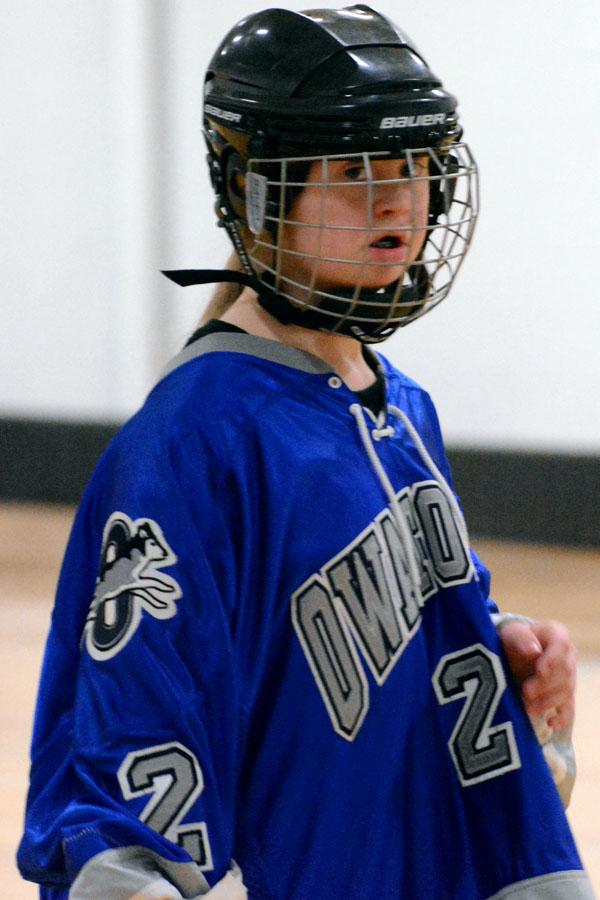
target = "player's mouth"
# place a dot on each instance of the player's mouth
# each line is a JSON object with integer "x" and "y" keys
{"x": 390, "y": 248}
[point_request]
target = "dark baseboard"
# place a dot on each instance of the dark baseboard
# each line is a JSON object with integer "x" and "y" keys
{"x": 48, "y": 461}
{"x": 538, "y": 497}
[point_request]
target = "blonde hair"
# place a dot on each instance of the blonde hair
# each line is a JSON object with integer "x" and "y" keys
{"x": 225, "y": 294}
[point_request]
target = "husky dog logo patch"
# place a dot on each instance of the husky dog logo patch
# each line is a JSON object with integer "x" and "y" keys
{"x": 129, "y": 583}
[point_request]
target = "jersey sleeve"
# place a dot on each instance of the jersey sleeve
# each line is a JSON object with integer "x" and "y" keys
{"x": 134, "y": 752}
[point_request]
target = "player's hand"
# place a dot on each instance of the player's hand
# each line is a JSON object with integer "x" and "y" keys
{"x": 543, "y": 661}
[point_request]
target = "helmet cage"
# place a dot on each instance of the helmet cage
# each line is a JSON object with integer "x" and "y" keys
{"x": 436, "y": 248}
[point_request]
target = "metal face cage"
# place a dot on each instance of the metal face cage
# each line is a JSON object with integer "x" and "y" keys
{"x": 361, "y": 243}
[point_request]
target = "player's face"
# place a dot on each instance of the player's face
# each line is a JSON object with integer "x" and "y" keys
{"x": 384, "y": 221}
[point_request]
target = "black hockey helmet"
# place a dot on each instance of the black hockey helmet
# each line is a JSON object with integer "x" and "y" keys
{"x": 285, "y": 89}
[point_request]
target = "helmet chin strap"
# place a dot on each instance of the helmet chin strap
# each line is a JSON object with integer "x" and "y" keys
{"x": 329, "y": 316}
{"x": 332, "y": 311}
{"x": 188, "y": 277}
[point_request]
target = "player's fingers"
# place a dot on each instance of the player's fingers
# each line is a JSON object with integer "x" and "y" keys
{"x": 522, "y": 648}
{"x": 558, "y": 660}
{"x": 538, "y": 705}
{"x": 559, "y": 674}
{"x": 555, "y": 641}
{"x": 541, "y": 693}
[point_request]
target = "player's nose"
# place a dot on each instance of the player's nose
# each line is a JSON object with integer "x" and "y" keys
{"x": 392, "y": 199}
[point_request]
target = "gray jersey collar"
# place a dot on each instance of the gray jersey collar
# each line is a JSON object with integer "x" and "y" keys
{"x": 250, "y": 345}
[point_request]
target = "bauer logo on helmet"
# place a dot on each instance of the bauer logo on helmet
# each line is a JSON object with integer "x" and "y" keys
{"x": 413, "y": 121}
{"x": 222, "y": 113}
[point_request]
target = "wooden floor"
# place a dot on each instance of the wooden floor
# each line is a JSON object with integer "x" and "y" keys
{"x": 542, "y": 582}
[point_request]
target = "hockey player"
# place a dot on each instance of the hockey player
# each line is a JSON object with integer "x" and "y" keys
{"x": 273, "y": 654}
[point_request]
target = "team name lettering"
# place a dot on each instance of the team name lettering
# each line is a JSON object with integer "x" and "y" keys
{"x": 364, "y": 600}
{"x": 413, "y": 121}
{"x": 222, "y": 113}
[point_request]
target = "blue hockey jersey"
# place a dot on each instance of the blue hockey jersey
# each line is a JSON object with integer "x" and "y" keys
{"x": 271, "y": 644}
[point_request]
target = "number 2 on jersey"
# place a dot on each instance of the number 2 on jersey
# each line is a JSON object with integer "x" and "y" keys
{"x": 172, "y": 774}
{"x": 479, "y": 749}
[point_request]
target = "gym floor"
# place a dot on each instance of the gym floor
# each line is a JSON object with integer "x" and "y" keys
{"x": 543, "y": 582}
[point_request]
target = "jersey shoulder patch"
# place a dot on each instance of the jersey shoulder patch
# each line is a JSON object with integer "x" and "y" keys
{"x": 129, "y": 583}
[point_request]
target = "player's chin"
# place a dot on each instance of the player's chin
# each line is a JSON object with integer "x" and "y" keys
{"x": 375, "y": 278}
{"x": 368, "y": 276}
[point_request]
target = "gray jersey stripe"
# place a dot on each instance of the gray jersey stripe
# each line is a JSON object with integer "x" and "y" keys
{"x": 249, "y": 344}
{"x": 574, "y": 885}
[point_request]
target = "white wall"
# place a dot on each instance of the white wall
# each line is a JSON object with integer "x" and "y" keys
{"x": 78, "y": 230}
{"x": 103, "y": 173}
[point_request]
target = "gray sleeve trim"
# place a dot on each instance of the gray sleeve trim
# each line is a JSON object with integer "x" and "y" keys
{"x": 136, "y": 872}
{"x": 573, "y": 885}
{"x": 229, "y": 342}
{"x": 500, "y": 619}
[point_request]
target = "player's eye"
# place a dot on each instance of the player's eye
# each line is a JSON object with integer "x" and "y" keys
{"x": 421, "y": 166}
{"x": 355, "y": 173}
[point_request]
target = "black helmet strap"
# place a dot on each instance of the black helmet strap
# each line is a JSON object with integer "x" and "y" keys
{"x": 188, "y": 277}
{"x": 286, "y": 312}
